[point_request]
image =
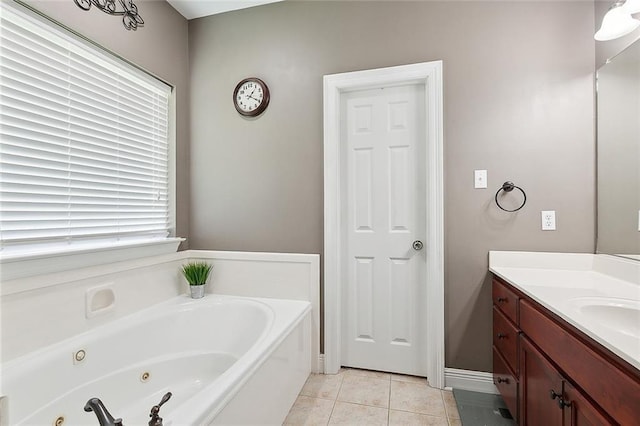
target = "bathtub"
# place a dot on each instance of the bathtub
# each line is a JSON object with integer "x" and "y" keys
{"x": 226, "y": 360}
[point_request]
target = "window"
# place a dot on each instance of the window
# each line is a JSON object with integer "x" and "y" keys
{"x": 84, "y": 144}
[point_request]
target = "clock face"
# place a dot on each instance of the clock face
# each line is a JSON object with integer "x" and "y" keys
{"x": 251, "y": 97}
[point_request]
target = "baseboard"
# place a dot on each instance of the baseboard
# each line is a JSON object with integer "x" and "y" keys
{"x": 319, "y": 367}
{"x": 477, "y": 381}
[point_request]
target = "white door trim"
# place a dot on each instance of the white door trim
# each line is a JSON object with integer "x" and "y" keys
{"x": 429, "y": 74}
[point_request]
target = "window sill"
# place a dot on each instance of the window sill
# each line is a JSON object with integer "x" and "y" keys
{"x": 27, "y": 265}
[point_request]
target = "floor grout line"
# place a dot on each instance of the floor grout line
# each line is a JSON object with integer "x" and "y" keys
{"x": 444, "y": 404}
{"x": 336, "y": 399}
{"x": 389, "y": 409}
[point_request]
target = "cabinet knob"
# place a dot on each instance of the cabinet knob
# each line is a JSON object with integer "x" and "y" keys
{"x": 554, "y": 395}
{"x": 503, "y": 380}
{"x": 562, "y": 403}
{"x": 501, "y": 336}
{"x": 502, "y": 299}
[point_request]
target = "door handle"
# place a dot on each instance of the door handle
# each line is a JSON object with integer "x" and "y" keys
{"x": 417, "y": 245}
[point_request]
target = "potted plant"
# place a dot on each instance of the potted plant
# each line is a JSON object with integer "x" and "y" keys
{"x": 196, "y": 274}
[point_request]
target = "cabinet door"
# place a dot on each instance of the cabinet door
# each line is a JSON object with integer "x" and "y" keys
{"x": 541, "y": 386}
{"x": 506, "y": 383}
{"x": 579, "y": 411}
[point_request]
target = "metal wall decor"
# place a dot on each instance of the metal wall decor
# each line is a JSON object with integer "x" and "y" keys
{"x": 130, "y": 18}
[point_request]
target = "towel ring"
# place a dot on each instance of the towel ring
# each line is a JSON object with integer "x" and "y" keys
{"x": 508, "y": 187}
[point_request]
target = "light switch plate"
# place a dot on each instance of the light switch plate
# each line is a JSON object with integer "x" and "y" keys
{"x": 479, "y": 179}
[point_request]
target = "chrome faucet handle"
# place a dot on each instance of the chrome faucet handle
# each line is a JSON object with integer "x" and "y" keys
{"x": 156, "y": 420}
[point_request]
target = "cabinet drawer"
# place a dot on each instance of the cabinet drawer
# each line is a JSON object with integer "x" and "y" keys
{"x": 616, "y": 391}
{"x": 506, "y": 383}
{"x": 506, "y": 300}
{"x": 505, "y": 339}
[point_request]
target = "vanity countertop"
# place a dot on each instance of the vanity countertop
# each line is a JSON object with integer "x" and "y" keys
{"x": 597, "y": 294}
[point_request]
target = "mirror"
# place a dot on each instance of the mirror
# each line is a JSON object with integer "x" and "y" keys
{"x": 618, "y": 154}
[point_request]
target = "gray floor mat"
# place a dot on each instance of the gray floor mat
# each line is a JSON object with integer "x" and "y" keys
{"x": 482, "y": 409}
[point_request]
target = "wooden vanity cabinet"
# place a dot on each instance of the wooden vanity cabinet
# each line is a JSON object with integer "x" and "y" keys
{"x": 548, "y": 398}
{"x": 505, "y": 345}
{"x": 561, "y": 376}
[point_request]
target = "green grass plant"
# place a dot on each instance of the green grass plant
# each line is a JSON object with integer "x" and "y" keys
{"x": 196, "y": 273}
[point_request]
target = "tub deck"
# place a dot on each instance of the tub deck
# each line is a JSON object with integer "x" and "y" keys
{"x": 214, "y": 354}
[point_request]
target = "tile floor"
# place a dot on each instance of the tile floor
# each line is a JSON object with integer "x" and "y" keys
{"x": 362, "y": 397}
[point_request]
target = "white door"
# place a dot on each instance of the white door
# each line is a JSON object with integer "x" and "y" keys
{"x": 384, "y": 207}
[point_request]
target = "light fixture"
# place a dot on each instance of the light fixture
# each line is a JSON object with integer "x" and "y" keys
{"x": 618, "y": 21}
{"x": 632, "y": 6}
{"x": 130, "y": 18}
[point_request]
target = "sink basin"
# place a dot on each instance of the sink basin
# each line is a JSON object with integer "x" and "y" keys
{"x": 621, "y": 315}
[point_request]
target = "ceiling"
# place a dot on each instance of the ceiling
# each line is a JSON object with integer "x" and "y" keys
{"x": 191, "y": 9}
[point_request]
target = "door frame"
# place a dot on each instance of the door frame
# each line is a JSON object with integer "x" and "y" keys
{"x": 429, "y": 74}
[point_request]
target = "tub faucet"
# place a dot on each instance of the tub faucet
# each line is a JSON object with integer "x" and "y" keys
{"x": 156, "y": 420}
{"x": 104, "y": 417}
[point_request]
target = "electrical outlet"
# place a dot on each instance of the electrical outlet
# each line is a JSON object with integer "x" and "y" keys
{"x": 479, "y": 179}
{"x": 548, "y": 220}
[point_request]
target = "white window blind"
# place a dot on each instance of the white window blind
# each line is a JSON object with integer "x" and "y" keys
{"x": 84, "y": 153}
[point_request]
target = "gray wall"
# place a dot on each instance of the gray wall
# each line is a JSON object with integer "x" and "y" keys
{"x": 518, "y": 102}
{"x": 160, "y": 47}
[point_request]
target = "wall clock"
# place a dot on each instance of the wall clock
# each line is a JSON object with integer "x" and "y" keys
{"x": 251, "y": 97}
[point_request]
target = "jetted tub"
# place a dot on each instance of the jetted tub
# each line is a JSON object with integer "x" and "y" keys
{"x": 226, "y": 360}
